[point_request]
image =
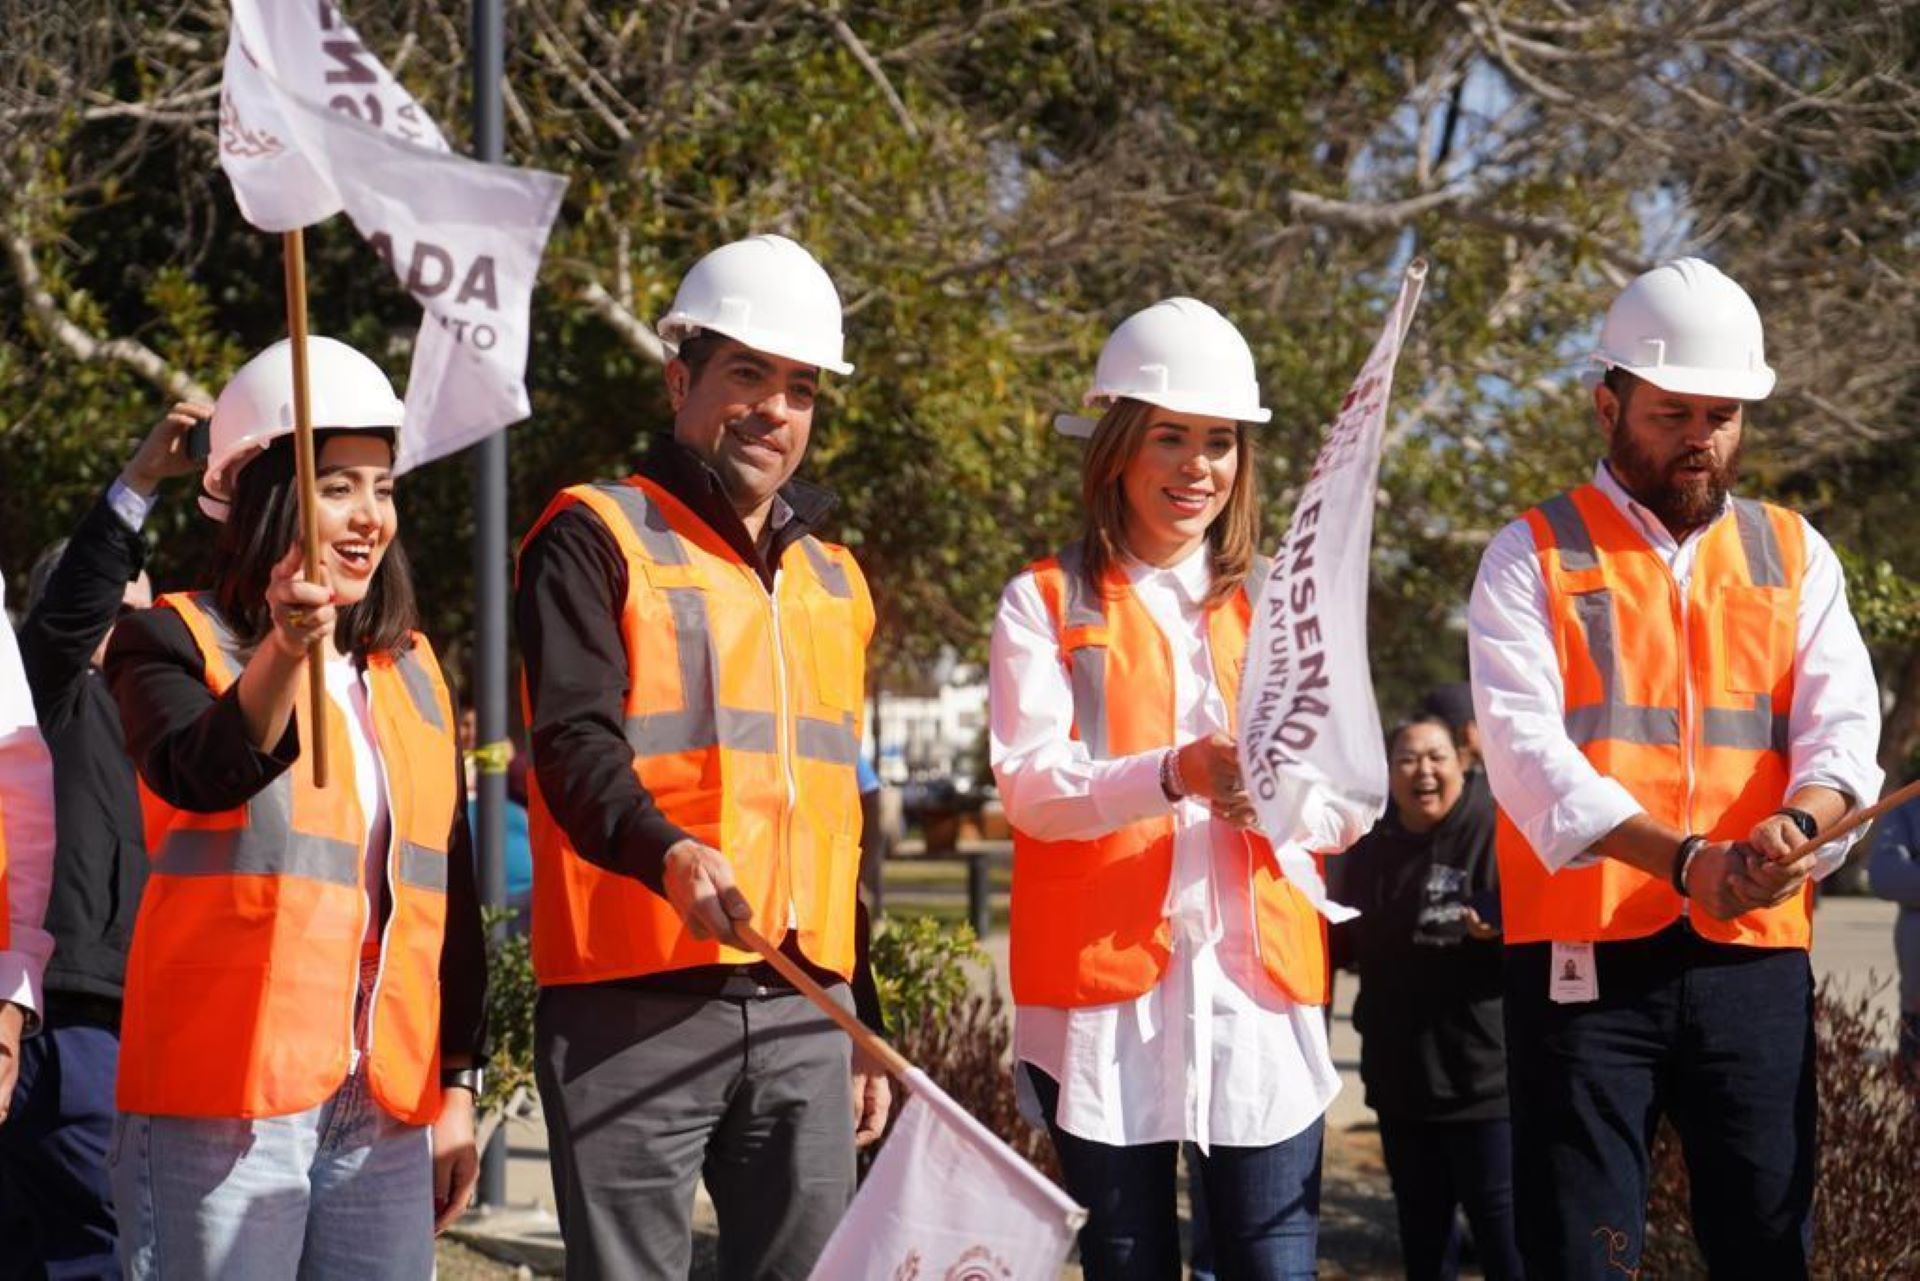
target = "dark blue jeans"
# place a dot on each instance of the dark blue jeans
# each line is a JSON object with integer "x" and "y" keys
{"x": 1440, "y": 1168}
{"x": 56, "y": 1210}
{"x": 1720, "y": 1040}
{"x": 1262, "y": 1204}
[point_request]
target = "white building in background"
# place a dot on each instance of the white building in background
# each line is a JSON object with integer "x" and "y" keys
{"x": 932, "y": 735}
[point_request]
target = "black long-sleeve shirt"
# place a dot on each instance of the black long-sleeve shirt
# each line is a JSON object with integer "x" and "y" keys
{"x": 1432, "y": 1042}
{"x": 100, "y": 857}
{"x": 194, "y": 751}
{"x": 572, "y": 587}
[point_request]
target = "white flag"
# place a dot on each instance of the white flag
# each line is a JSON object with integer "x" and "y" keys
{"x": 945, "y": 1198}
{"x": 312, "y": 124}
{"x": 1309, "y": 727}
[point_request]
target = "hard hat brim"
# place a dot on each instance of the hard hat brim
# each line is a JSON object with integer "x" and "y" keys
{"x": 1179, "y": 404}
{"x": 1689, "y": 380}
{"x": 675, "y": 330}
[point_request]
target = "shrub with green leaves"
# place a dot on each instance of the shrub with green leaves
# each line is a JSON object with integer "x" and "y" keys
{"x": 920, "y": 967}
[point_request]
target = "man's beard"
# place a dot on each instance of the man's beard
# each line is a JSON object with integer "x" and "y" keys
{"x": 1681, "y": 504}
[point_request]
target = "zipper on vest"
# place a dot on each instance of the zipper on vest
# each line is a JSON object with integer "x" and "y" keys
{"x": 386, "y": 870}
{"x": 783, "y": 745}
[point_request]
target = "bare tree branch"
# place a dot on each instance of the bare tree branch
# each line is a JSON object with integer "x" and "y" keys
{"x": 632, "y": 330}
{"x": 86, "y": 347}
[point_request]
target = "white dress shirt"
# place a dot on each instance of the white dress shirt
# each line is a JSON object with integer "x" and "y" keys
{"x": 26, "y": 810}
{"x": 1215, "y": 1053}
{"x": 1553, "y": 794}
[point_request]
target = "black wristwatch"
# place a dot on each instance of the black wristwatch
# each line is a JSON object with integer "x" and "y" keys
{"x": 461, "y": 1078}
{"x": 1800, "y": 819}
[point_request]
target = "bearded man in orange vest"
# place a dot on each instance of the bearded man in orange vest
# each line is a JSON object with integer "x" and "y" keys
{"x": 1674, "y": 701}
{"x": 695, "y": 670}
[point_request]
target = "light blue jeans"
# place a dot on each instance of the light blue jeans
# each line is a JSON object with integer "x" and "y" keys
{"x": 342, "y": 1190}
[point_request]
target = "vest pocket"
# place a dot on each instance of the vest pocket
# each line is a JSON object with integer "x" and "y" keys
{"x": 836, "y": 679}
{"x": 1749, "y": 618}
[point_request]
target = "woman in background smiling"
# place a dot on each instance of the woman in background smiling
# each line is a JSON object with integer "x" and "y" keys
{"x": 1432, "y": 1048}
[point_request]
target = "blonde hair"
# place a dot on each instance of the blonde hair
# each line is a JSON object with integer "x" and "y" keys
{"x": 1116, "y": 441}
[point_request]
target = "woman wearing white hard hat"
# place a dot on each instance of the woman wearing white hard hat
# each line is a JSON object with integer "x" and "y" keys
{"x": 1167, "y": 980}
{"x": 306, "y": 983}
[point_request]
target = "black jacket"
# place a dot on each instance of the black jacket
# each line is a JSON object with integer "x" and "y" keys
{"x": 193, "y": 751}
{"x": 1432, "y": 1043}
{"x": 100, "y": 859}
{"x": 571, "y": 588}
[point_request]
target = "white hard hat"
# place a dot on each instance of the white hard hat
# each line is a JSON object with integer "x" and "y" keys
{"x": 255, "y": 408}
{"x": 766, "y": 292}
{"x": 1179, "y": 354}
{"x": 1687, "y": 327}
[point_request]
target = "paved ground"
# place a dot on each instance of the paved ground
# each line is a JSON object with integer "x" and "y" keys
{"x": 1852, "y": 947}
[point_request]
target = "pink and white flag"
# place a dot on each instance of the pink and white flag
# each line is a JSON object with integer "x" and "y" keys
{"x": 1309, "y": 726}
{"x": 948, "y": 1201}
{"x": 312, "y": 124}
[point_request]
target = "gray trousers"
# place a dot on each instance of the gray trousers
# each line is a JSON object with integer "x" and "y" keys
{"x": 645, "y": 1093}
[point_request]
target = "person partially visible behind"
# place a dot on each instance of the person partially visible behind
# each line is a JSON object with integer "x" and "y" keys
{"x": 305, "y": 999}
{"x": 1432, "y": 1050}
{"x": 56, "y": 1208}
{"x": 26, "y": 864}
{"x": 1893, "y": 869}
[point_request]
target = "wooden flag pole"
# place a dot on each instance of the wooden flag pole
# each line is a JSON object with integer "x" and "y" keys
{"x": 1860, "y": 818}
{"x": 895, "y": 1063}
{"x": 294, "y": 256}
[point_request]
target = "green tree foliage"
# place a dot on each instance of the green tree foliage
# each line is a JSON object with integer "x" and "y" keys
{"x": 994, "y": 185}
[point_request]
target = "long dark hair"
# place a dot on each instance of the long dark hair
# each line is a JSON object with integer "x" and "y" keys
{"x": 263, "y": 522}
{"x": 1117, "y": 438}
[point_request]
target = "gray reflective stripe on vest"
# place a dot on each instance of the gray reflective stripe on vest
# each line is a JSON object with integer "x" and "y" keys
{"x": 1256, "y": 583}
{"x": 413, "y": 674}
{"x": 698, "y": 729}
{"x": 1754, "y": 729}
{"x": 1083, "y": 603}
{"x": 1088, "y": 663}
{"x": 649, "y": 523}
{"x": 264, "y": 847}
{"x": 1569, "y": 533}
{"x": 223, "y": 637}
{"x": 1613, "y": 717}
{"x": 1764, "y": 564}
{"x": 829, "y": 741}
{"x": 422, "y": 868}
{"x": 831, "y": 573}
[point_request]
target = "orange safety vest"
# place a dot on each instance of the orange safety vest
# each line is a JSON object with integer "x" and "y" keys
{"x": 743, "y": 710}
{"x": 1683, "y": 699}
{"x": 1089, "y": 924}
{"x": 245, "y": 968}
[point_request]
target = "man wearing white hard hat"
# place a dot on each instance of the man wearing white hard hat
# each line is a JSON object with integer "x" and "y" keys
{"x": 1674, "y": 701}
{"x": 695, "y": 686}
{"x": 1169, "y": 983}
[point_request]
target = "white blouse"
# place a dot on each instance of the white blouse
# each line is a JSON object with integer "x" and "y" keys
{"x": 1215, "y": 1053}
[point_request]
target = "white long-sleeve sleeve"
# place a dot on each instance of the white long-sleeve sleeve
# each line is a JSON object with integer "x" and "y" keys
{"x": 1050, "y": 786}
{"x": 1560, "y": 803}
{"x": 26, "y": 813}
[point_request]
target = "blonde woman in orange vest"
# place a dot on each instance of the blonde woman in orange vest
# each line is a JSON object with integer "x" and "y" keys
{"x": 1168, "y": 983}
{"x": 306, "y": 984}
{"x": 1674, "y": 701}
